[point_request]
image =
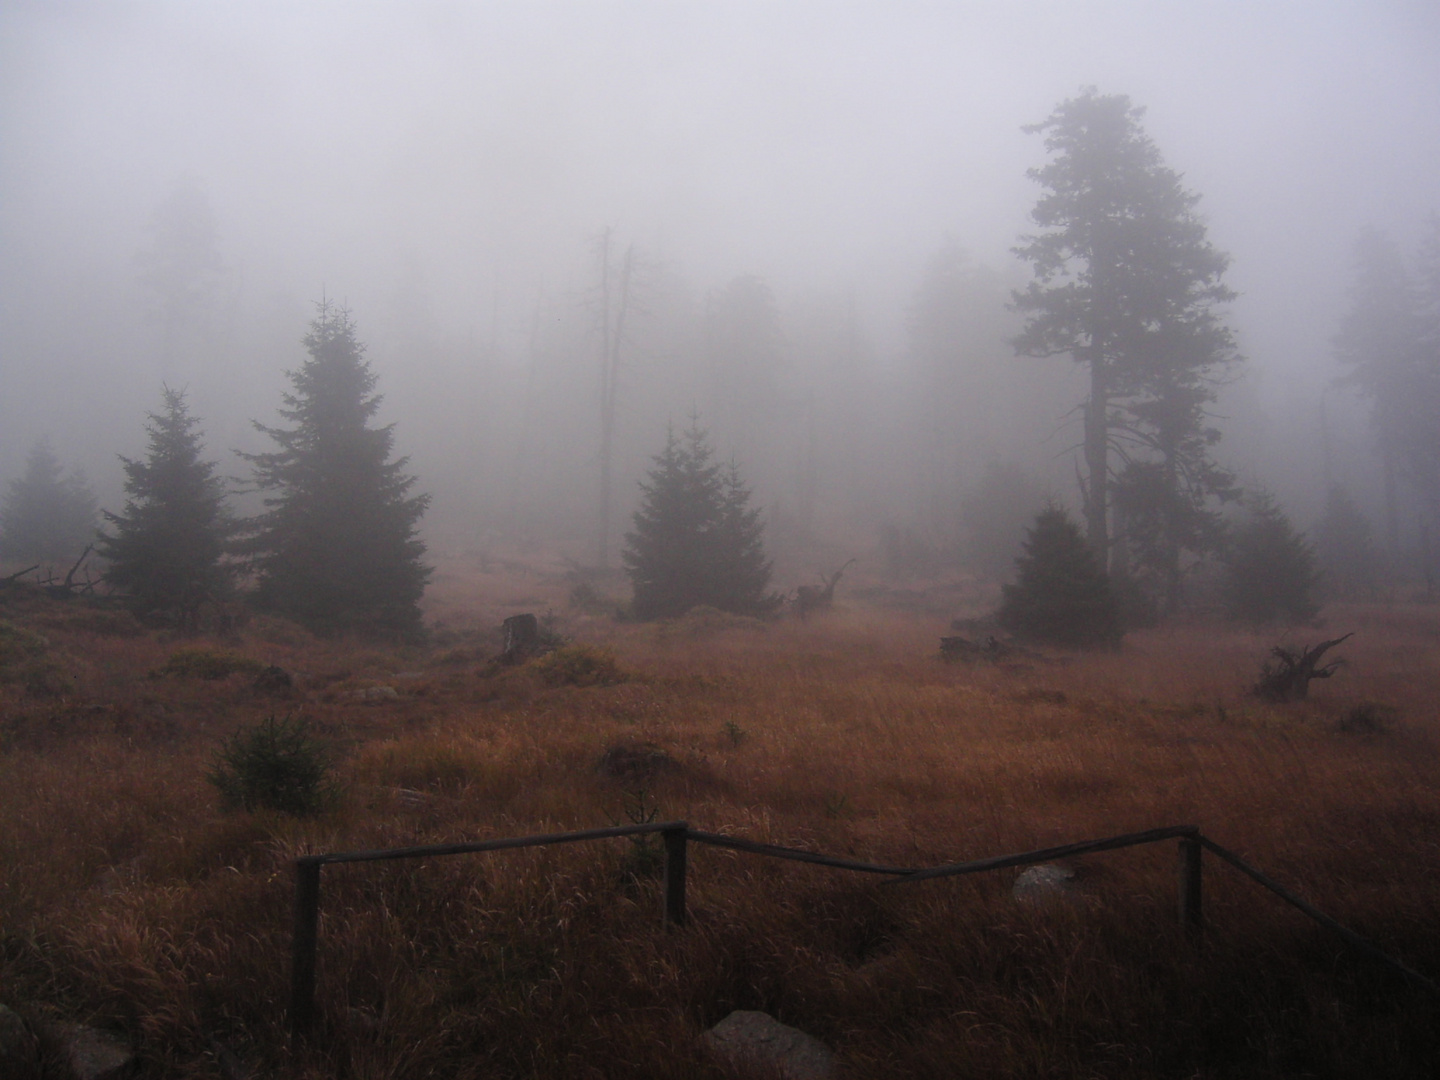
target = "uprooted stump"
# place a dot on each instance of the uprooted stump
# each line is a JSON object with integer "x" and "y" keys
{"x": 1286, "y": 677}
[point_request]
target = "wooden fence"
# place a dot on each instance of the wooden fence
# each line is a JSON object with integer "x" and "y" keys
{"x": 677, "y": 836}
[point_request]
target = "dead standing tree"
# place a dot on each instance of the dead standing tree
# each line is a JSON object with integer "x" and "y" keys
{"x": 1287, "y": 677}
{"x": 810, "y": 598}
{"x": 615, "y": 306}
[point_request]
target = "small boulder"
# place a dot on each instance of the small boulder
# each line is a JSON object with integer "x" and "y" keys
{"x": 18, "y": 1046}
{"x": 1043, "y": 883}
{"x": 94, "y": 1055}
{"x": 755, "y": 1040}
{"x": 274, "y": 680}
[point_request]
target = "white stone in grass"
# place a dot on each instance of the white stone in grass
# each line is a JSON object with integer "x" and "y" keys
{"x": 94, "y": 1055}
{"x": 1044, "y": 882}
{"x": 752, "y": 1039}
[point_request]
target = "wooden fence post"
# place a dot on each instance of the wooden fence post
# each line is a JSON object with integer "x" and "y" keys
{"x": 1191, "y": 915}
{"x": 675, "y": 856}
{"x": 303, "y": 945}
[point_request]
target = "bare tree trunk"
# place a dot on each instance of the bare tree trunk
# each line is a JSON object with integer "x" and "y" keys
{"x": 611, "y": 337}
{"x": 1392, "y": 514}
{"x": 1172, "y": 536}
{"x": 519, "y": 513}
{"x": 1097, "y": 462}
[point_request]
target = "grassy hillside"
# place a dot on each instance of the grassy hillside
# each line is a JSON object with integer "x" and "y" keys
{"x": 130, "y": 900}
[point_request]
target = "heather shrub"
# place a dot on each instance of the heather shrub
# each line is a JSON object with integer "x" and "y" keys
{"x": 200, "y": 663}
{"x": 580, "y": 665}
{"x": 18, "y": 644}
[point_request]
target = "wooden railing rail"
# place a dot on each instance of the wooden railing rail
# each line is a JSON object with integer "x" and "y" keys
{"x": 774, "y": 851}
{"x": 1354, "y": 940}
{"x": 677, "y": 836}
{"x": 305, "y": 938}
{"x": 1030, "y": 858}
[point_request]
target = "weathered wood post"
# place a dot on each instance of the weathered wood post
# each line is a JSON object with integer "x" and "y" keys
{"x": 675, "y": 856}
{"x": 1191, "y": 916}
{"x": 303, "y": 944}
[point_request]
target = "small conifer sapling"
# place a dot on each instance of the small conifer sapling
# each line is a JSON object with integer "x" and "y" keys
{"x": 1060, "y": 595}
{"x": 167, "y": 550}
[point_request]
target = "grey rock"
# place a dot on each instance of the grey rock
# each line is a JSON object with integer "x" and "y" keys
{"x": 94, "y": 1055}
{"x": 1044, "y": 882}
{"x": 233, "y": 1065}
{"x": 756, "y": 1040}
{"x": 17, "y": 1045}
{"x": 274, "y": 680}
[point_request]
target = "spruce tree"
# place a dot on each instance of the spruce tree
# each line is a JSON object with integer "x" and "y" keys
{"x": 336, "y": 548}
{"x": 167, "y": 551}
{"x": 46, "y": 515}
{"x": 1271, "y": 568}
{"x": 1345, "y": 547}
{"x": 696, "y": 538}
{"x": 1061, "y": 596}
{"x": 1127, "y": 283}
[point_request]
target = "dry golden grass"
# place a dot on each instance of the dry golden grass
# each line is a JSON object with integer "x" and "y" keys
{"x": 128, "y": 899}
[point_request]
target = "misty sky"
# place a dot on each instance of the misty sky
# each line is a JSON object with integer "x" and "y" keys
{"x": 468, "y": 153}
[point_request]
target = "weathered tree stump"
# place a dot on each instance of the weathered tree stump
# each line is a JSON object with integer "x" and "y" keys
{"x": 522, "y": 639}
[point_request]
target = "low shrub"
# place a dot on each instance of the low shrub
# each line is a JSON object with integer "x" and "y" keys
{"x": 201, "y": 663}
{"x": 580, "y": 665}
{"x": 705, "y": 621}
{"x": 274, "y": 765}
{"x": 1368, "y": 718}
{"x": 18, "y": 644}
{"x": 42, "y": 677}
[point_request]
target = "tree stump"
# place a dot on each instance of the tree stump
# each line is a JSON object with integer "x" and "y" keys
{"x": 522, "y": 639}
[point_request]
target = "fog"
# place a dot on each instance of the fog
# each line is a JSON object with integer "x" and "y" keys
{"x": 448, "y": 171}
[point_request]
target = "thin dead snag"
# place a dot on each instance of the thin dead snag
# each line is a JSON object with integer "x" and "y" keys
{"x": 1287, "y": 676}
{"x": 810, "y": 598}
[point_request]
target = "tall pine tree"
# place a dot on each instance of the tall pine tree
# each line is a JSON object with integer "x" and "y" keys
{"x": 336, "y": 548}
{"x": 1127, "y": 284}
{"x": 167, "y": 551}
{"x": 696, "y": 539}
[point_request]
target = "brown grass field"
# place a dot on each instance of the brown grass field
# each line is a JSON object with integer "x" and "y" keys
{"x": 130, "y": 901}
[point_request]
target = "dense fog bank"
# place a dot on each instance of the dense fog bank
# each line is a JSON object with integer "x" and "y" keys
{"x": 795, "y": 221}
